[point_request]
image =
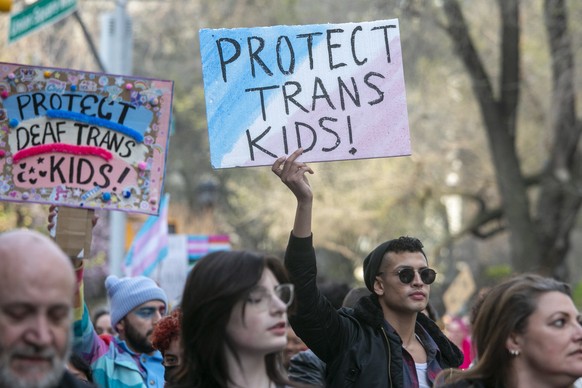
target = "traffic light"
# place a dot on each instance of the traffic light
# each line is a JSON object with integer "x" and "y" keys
{"x": 5, "y": 5}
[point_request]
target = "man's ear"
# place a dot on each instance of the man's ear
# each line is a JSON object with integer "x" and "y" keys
{"x": 379, "y": 286}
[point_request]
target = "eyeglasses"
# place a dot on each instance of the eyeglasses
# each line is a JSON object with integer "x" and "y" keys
{"x": 406, "y": 275}
{"x": 262, "y": 299}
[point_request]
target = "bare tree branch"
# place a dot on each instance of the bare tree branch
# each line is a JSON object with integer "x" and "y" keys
{"x": 509, "y": 87}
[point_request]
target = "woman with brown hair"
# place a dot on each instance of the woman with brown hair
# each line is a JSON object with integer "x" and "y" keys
{"x": 527, "y": 333}
{"x": 234, "y": 322}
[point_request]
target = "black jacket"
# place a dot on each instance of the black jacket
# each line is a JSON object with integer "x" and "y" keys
{"x": 306, "y": 368}
{"x": 352, "y": 342}
{"x": 70, "y": 381}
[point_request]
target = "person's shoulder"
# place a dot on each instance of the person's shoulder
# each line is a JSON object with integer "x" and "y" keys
{"x": 366, "y": 310}
{"x": 306, "y": 357}
{"x": 465, "y": 383}
{"x": 70, "y": 381}
{"x": 451, "y": 355}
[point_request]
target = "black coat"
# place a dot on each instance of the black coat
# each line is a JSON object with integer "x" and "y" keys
{"x": 306, "y": 368}
{"x": 352, "y": 342}
{"x": 70, "y": 381}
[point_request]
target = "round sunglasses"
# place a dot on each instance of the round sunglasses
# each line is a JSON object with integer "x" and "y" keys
{"x": 406, "y": 275}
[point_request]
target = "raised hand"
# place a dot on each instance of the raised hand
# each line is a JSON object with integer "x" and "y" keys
{"x": 292, "y": 174}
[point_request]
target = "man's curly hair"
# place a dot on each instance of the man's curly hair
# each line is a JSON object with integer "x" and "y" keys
{"x": 166, "y": 330}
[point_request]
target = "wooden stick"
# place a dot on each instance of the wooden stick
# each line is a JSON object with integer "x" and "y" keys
{"x": 74, "y": 231}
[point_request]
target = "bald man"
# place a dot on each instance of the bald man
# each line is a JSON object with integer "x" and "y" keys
{"x": 37, "y": 286}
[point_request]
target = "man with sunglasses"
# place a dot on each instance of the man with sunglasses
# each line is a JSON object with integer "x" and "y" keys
{"x": 384, "y": 341}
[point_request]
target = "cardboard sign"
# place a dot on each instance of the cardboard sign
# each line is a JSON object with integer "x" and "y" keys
{"x": 83, "y": 139}
{"x": 336, "y": 90}
{"x": 74, "y": 231}
{"x": 460, "y": 290}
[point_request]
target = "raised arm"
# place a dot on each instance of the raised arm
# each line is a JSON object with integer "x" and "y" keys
{"x": 315, "y": 320}
{"x": 292, "y": 174}
{"x": 86, "y": 342}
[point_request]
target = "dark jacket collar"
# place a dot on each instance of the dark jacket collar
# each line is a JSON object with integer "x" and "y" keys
{"x": 368, "y": 310}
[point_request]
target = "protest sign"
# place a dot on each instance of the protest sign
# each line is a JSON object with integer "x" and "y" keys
{"x": 460, "y": 290}
{"x": 172, "y": 272}
{"x": 82, "y": 139}
{"x": 336, "y": 90}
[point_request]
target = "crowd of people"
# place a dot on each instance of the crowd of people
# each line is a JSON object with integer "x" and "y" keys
{"x": 251, "y": 320}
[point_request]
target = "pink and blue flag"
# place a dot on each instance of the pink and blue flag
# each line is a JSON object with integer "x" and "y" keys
{"x": 150, "y": 245}
{"x": 200, "y": 245}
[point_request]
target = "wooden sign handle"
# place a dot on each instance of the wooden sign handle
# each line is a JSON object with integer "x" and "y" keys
{"x": 74, "y": 231}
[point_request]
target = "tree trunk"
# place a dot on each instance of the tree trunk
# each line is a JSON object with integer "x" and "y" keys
{"x": 500, "y": 122}
{"x": 560, "y": 194}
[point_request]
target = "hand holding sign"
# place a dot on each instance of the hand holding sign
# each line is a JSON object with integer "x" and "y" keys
{"x": 292, "y": 174}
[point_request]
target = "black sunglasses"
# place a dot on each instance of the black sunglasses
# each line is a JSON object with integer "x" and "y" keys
{"x": 406, "y": 275}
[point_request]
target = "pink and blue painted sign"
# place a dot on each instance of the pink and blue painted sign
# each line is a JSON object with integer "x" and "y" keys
{"x": 336, "y": 90}
{"x": 83, "y": 139}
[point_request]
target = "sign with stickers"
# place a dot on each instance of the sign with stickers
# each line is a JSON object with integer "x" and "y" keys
{"x": 336, "y": 90}
{"x": 82, "y": 139}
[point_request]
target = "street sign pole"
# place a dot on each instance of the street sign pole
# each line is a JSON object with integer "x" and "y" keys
{"x": 116, "y": 53}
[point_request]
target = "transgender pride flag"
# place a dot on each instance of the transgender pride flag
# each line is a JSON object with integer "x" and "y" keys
{"x": 150, "y": 245}
{"x": 200, "y": 245}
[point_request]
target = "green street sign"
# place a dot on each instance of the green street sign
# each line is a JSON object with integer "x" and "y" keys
{"x": 39, "y": 14}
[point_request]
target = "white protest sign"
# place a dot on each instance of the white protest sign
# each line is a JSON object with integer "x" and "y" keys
{"x": 173, "y": 270}
{"x": 337, "y": 90}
